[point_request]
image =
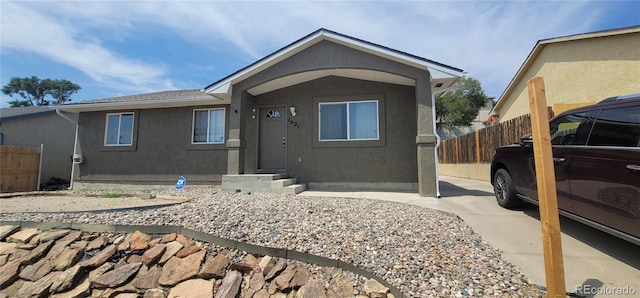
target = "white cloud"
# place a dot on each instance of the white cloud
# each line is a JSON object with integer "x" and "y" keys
{"x": 489, "y": 39}
{"x": 24, "y": 29}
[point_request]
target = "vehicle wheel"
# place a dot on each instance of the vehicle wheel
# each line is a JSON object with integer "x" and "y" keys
{"x": 505, "y": 190}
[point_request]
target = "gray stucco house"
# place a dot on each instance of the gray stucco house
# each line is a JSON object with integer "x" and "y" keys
{"x": 33, "y": 126}
{"x": 328, "y": 109}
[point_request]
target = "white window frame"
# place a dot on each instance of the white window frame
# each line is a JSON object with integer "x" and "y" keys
{"x": 106, "y": 129}
{"x": 347, "y": 103}
{"x": 224, "y": 127}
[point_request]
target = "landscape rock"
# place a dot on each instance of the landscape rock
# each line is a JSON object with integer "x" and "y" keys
{"x": 53, "y": 235}
{"x": 180, "y": 269}
{"x": 9, "y": 273}
{"x": 264, "y": 262}
{"x": 116, "y": 277}
{"x": 230, "y": 285}
{"x": 36, "y": 271}
{"x": 100, "y": 270}
{"x": 39, "y": 288}
{"x": 340, "y": 287}
{"x": 153, "y": 254}
{"x": 96, "y": 243}
{"x": 375, "y": 289}
{"x": 63, "y": 243}
{"x": 313, "y": 289}
{"x": 242, "y": 267}
{"x": 155, "y": 293}
{"x": 168, "y": 238}
{"x": 300, "y": 278}
{"x": 67, "y": 258}
{"x": 215, "y": 267}
{"x": 23, "y": 236}
{"x": 7, "y": 230}
{"x": 187, "y": 250}
{"x": 37, "y": 253}
{"x": 256, "y": 282}
{"x": 193, "y": 288}
{"x": 149, "y": 280}
{"x": 100, "y": 258}
{"x": 171, "y": 249}
{"x": 415, "y": 254}
{"x": 283, "y": 279}
{"x": 270, "y": 272}
{"x": 81, "y": 290}
{"x": 7, "y": 248}
{"x": 139, "y": 240}
{"x": 67, "y": 279}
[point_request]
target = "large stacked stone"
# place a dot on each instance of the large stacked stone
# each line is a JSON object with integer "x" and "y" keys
{"x": 70, "y": 263}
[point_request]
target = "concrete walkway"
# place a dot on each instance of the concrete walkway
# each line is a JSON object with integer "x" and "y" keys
{"x": 595, "y": 261}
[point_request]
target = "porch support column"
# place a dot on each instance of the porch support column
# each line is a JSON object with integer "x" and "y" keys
{"x": 235, "y": 141}
{"x": 426, "y": 139}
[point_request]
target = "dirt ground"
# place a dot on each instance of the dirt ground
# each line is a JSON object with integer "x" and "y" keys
{"x": 68, "y": 203}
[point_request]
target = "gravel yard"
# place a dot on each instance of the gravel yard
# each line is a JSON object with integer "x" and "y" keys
{"x": 421, "y": 251}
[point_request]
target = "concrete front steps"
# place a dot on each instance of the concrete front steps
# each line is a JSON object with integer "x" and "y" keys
{"x": 275, "y": 183}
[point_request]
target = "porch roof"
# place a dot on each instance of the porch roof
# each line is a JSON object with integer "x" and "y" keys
{"x": 443, "y": 76}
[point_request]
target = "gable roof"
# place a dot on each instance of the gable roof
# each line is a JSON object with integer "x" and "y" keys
{"x": 541, "y": 44}
{"x": 448, "y": 74}
{"x": 162, "y": 99}
{"x": 25, "y": 112}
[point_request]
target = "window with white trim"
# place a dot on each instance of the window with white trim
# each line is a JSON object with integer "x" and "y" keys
{"x": 119, "y": 129}
{"x": 208, "y": 126}
{"x": 349, "y": 121}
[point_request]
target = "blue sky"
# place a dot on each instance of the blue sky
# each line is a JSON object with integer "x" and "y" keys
{"x": 115, "y": 48}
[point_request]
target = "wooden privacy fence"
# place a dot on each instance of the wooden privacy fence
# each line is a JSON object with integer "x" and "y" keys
{"x": 19, "y": 168}
{"x": 478, "y": 146}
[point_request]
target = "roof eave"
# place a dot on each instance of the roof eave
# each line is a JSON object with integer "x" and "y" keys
{"x": 223, "y": 86}
{"x": 146, "y": 104}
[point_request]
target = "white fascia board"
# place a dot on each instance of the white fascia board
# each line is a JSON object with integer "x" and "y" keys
{"x": 146, "y": 104}
{"x": 221, "y": 90}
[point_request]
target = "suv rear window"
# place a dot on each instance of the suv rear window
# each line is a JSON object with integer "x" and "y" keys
{"x": 617, "y": 127}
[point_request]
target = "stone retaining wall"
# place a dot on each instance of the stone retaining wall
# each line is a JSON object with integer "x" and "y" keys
{"x": 74, "y": 260}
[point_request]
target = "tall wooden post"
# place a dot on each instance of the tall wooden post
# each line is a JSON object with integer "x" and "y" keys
{"x": 547, "y": 196}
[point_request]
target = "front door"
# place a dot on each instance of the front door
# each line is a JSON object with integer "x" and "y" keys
{"x": 272, "y": 140}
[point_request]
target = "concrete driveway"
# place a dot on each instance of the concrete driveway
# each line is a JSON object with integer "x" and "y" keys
{"x": 594, "y": 261}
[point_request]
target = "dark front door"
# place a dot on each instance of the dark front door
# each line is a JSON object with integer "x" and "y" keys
{"x": 273, "y": 139}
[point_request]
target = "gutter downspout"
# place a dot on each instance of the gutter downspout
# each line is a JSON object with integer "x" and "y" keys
{"x": 435, "y": 132}
{"x": 75, "y": 145}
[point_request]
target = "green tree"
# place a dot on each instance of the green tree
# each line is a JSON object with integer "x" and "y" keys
{"x": 461, "y": 105}
{"x": 37, "y": 92}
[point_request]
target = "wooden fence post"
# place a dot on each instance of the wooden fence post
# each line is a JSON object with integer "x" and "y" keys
{"x": 477, "y": 146}
{"x": 547, "y": 196}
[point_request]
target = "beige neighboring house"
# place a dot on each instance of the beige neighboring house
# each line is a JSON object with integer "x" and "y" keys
{"x": 578, "y": 70}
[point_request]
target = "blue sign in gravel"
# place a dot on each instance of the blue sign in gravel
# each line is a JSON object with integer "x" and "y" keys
{"x": 181, "y": 182}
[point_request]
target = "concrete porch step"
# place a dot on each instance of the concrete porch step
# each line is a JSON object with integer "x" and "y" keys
{"x": 275, "y": 183}
{"x": 251, "y": 177}
{"x": 293, "y": 189}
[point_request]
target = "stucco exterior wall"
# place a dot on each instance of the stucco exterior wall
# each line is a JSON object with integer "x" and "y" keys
{"x": 54, "y": 132}
{"x": 162, "y": 150}
{"x": 579, "y": 72}
{"x": 391, "y": 159}
{"x": 475, "y": 171}
{"x": 408, "y": 117}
